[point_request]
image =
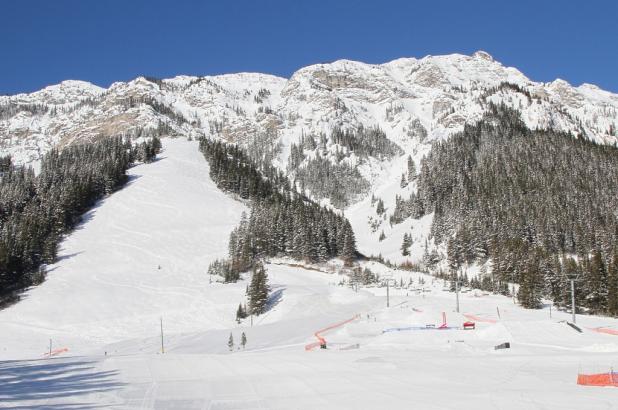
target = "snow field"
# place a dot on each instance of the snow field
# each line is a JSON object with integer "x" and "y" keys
{"x": 105, "y": 296}
{"x": 142, "y": 253}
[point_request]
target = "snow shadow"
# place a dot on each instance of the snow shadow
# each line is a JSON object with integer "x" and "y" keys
{"x": 26, "y": 381}
{"x": 62, "y": 406}
{"x": 64, "y": 257}
{"x": 157, "y": 159}
{"x": 274, "y": 298}
{"x": 130, "y": 180}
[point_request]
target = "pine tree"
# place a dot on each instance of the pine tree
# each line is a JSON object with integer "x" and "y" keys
{"x": 380, "y": 207}
{"x": 230, "y": 342}
{"x": 612, "y": 285}
{"x": 454, "y": 255}
{"x": 411, "y": 169}
{"x": 405, "y": 245}
{"x": 596, "y": 283}
{"x": 156, "y": 144}
{"x": 243, "y": 340}
{"x": 404, "y": 181}
{"x": 240, "y": 313}
{"x": 258, "y": 290}
{"x": 531, "y": 286}
{"x": 348, "y": 252}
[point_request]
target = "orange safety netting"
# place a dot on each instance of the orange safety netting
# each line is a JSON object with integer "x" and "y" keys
{"x": 321, "y": 341}
{"x": 479, "y": 319}
{"x": 605, "y": 330}
{"x": 56, "y": 352}
{"x": 599, "y": 379}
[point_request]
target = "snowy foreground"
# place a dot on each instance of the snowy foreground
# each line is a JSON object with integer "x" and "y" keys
{"x": 141, "y": 255}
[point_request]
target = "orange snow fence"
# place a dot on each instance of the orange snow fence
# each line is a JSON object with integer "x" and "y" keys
{"x": 321, "y": 341}
{"x": 605, "y": 330}
{"x": 479, "y": 319}
{"x": 56, "y": 352}
{"x": 599, "y": 379}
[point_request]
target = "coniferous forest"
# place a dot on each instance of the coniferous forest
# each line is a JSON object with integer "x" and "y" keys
{"x": 37, "y": 210}
{"x": 282, "y": 222}
{"x": 332, "y": 175}
{"x": 541, "y": 204}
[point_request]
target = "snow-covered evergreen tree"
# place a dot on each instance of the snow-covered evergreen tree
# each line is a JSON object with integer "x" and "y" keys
{"x": 258, "y": 290}
{"x": 241, "y": 313}
{"x": 243, "y": 340}
{"x": 230, "y": 342}
{"x": 405, "y": 245}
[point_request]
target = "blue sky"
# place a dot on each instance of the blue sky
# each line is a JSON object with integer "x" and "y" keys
{"x": 45, "y": 42}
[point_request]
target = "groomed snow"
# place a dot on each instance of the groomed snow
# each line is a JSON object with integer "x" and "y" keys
{"x": 141, "y": 253}
{"x": 103, "y": 300}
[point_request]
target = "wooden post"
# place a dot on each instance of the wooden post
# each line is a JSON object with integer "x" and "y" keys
{"x": 162, "y": 346}
{"x": 573, "y": 299}
{"x": 388, "y": 297}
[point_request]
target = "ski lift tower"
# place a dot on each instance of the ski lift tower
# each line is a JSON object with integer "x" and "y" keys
{"x": 573, "y": 278}
{"x": 457, "y": 290}
{"x": 388, "y": 278}
{"x": 354, "y": 279}
{"x": 573, "y": 310}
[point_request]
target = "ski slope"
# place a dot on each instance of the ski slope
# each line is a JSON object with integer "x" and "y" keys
{"x": 103, "y": 300}
{"x": 141, "y": 253}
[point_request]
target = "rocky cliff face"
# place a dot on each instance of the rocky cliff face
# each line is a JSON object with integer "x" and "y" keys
{"x": 414, "y": 101}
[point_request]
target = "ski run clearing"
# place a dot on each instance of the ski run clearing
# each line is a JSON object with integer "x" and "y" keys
{"x": 141, "y": 256}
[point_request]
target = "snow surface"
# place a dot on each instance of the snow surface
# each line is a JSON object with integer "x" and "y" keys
{"x": 103, "y": 299}
{"x": 107, "y": 284}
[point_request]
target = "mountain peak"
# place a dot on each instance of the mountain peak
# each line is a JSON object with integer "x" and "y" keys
{"x": 414, "y": 101}
{"x": 483, "y": 55}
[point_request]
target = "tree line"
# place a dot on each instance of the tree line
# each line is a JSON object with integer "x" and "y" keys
{"x": 282, "y": 222}
{"x": 540, "y": 204}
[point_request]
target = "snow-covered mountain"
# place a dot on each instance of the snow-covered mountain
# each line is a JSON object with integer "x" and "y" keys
{"x": 414, "y": 102}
